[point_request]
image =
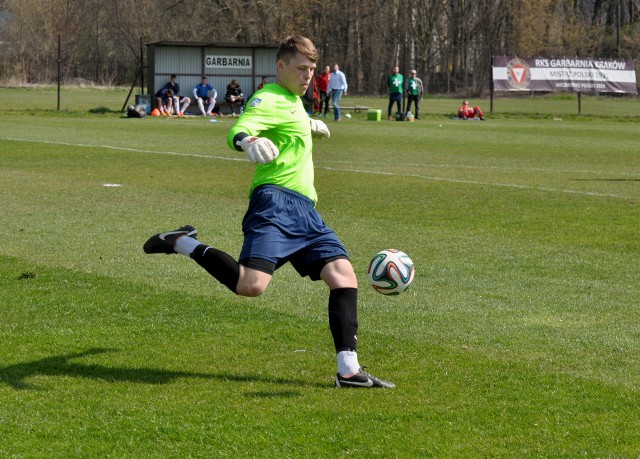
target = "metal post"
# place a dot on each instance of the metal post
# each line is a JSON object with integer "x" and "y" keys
{"x": 579, "y": 102}
{"x": 618, "y": 28}
{"x": 59, "y": 46}
{"x": 404, "y": 67}
{"x": 141, "y": 67}
{"x": 491, "y": 79}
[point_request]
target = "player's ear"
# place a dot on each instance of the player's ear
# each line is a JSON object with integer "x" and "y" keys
{"x": 280, "y": 64}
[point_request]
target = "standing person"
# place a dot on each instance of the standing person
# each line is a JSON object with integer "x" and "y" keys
{"x": 177, "y": 98}
{"x": 395, "y": 82}
{"x": 467, "y": 113}
{"x": 322, "y": 81}
{"x": 204, "y": 93}
{"x": 310, "y": 98}
{"x": 415, "y": 89}
{"x": 281, "y": 223}
{"x": 337, "y": 87}
{"x": 234, "y": 96}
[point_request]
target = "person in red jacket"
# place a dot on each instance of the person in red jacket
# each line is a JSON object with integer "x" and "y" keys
{"x": 467, "y": 113}
{"x": 322, "y": 82}
{"x": 263, "y": 81}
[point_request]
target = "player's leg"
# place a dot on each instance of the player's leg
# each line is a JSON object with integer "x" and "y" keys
{"x": 343, "y": 323}
{"x": 343, "y": 313}
{"x": 263, "y": 247}
{"x": 200, "y": 102}
{"x": 252, "y": 282}
{"x": 240, "y": 279}
{"x": 326, "y": 258}
{"x": 160, "y": 105}
{"x": 409, "y": 100}
{"x": 185, "y": 104}
{"x": 339, "y": 274}
{"x": 335, "y": 99}
{"x": 212, "y": 104}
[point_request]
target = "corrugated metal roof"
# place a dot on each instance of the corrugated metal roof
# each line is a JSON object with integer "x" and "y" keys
{"x": 202, "y": 44}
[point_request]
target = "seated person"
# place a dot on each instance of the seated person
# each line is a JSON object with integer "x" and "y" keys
{"x": 204, "y": 93}
{"x": 467, "y": 113}
{"x": 263, "y": 81}
{"x": 164, "y": 101}
{"x": 234, "y": 96}
{"x": 177, "y": 98}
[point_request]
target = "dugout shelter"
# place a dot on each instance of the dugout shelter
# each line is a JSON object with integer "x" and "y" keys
{"x": 220, "y": 63}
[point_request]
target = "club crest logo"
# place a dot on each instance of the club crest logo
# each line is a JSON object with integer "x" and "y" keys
{"x": 518, "y": 73}
{"x": 255, "y": 102}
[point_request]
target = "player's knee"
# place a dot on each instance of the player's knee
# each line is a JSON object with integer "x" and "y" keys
{"x": 250, "y": 290}
{"x": 251, "y": 286}
{"x": 339, "y": 274}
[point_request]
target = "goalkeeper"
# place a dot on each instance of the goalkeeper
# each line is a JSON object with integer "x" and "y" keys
{"x": 281, "y": 224}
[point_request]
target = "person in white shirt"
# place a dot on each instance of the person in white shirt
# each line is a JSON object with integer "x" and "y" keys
{"x": 337, "y": 87}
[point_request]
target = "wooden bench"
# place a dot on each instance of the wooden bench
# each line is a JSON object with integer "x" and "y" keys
{"x": 356, "y": 108}
{"x": 222, "y": 105}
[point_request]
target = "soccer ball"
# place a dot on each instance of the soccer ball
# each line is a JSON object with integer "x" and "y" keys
{"x": 391, "y": 271}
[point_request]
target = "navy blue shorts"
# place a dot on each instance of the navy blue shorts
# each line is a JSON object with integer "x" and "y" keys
{"x": 283, "y": 226}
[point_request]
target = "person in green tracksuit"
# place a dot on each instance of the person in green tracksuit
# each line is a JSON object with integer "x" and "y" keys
{"x": 395, "y": 82}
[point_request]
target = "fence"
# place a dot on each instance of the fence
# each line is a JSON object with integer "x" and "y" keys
{"x": 17, "y": 70}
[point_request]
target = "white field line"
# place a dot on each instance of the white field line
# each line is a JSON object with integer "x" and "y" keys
{"x": 498, "y": 168}
{"x": 355, "y": 171}
{"x": 472, "y": 182}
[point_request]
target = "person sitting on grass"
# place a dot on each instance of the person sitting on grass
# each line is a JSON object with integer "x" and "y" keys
{"x": 467, "y": 113}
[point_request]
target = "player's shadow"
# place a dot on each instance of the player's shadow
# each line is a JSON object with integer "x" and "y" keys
{"x": 63, "y": 365}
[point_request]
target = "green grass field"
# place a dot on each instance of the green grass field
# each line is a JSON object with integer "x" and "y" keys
{"x": 519, "y": 338}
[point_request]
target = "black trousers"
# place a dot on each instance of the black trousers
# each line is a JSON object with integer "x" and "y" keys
{"x": 324, "y": 100}
{"x": 416, "y": 99}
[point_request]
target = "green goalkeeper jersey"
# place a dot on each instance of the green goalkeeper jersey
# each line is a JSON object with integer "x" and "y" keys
{"x": 277, "y": 114}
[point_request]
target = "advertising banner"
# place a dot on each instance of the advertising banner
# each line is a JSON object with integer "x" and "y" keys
{"x": 565, "y": 74}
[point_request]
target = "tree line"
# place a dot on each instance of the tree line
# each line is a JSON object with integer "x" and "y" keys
{"x": 449, "y": 42}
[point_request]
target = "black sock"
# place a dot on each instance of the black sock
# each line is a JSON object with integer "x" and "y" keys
{"x": 343, "y": 318}
{"x": 219, "y": 264}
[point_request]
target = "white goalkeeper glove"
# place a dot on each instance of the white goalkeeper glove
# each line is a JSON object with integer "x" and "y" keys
{"x": 319, "y": 129}
{"x": 260, "y": 150}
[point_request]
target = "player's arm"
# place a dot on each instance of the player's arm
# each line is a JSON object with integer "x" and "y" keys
{"x": 319, "y": 129}
{"x": 259, "y": 150}
{"x": 246, "y": 136}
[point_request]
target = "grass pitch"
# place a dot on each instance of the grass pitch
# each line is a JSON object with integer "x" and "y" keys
{"x": 519, "y": 337}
